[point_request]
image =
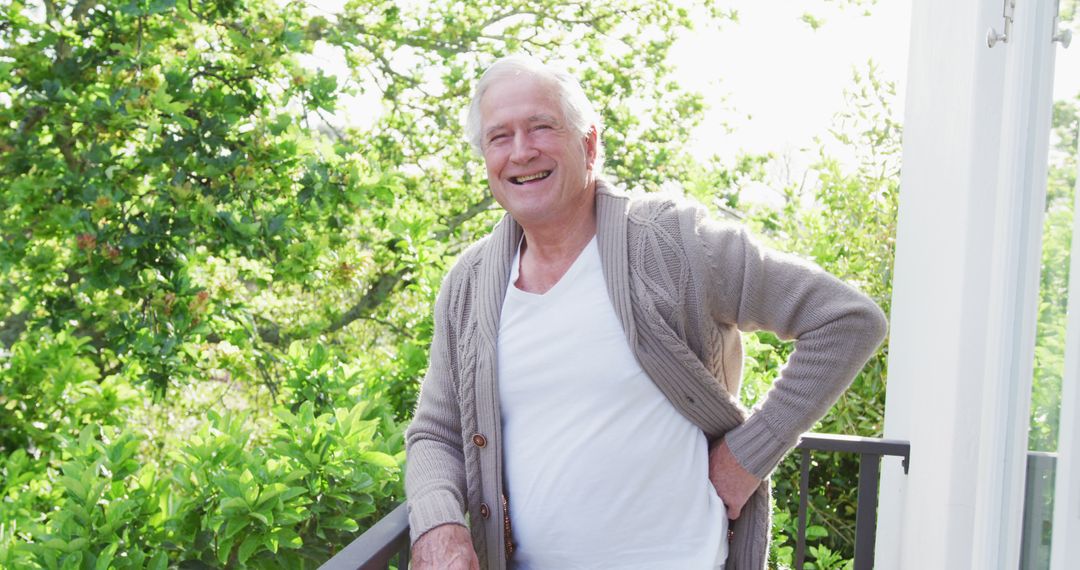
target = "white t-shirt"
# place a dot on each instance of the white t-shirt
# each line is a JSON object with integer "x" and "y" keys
{"x": 601, "y": 470}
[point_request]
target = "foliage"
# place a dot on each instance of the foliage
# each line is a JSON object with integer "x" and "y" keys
{"x": 850, "y": 233}
{"x": 844, "y": 220}
{"x": 215, "y": 297}
{"x": 167, "y": 189}
{"x": 1054, "y": 277}
{"x": 226, "y": 496}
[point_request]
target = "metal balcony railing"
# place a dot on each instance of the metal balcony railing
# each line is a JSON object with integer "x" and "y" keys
{"x": 387, "y": 543}
{"x": 1038, "y": 510}
{"x": 870, "y": 451}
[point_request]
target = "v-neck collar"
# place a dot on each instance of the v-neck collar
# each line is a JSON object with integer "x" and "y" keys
{"x": 566, "y": 280}
{"x": 612, "y": 212}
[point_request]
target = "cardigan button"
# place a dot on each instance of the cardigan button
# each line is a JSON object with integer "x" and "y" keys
{"x": 479, "y": 440}
{"x": 484, "y": 510}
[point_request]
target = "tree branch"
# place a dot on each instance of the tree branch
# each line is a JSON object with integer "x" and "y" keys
{"x": 374, "y": 297}
{"x": 379, "y": 291}
{"x": 471, "y": 212}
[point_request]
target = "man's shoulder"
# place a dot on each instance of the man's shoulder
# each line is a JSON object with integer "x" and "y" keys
{"x": 675, "y": 211}
{"x": 465, "y": 267}
{"x": 659, "y": 205}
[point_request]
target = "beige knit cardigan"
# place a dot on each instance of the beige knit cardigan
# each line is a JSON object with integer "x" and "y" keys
{"x": 683, "y": 287}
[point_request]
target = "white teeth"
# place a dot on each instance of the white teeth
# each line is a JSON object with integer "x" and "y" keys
{"x": 523, "y": 179}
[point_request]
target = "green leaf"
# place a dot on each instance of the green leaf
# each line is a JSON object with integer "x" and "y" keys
{"x": 318, "y": 357}
{"x": 75, "y": 487}
{"x": 292, "y": 492}
{"x": 105, "y": 559}
{"x": 225, "y": 547}
{"x": 271, "y": 492}
{"x": 288, "y": 538}
{"x": 229, "y": 486}
{"x": 233, "y": 504}
{"x": 379, "y": 459}
{"x": 340, "y": 523}
{"x": 160, "y": 561}
{"x": 248, "y": 547}
{"x": 816, "y": 532}
{"x": 235, "y": 525}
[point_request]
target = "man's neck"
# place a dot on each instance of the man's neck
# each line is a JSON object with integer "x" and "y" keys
{"x": 550, "y": 249}
{"x": 554, "y": 245}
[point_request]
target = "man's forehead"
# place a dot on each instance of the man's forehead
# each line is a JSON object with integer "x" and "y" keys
{"x": 534, "y": 118}
{"x": 519, "y": 88}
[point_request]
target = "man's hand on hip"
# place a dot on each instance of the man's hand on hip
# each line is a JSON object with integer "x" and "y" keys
{"x": 445, "y": 547}
{"x": 734, "y": 485}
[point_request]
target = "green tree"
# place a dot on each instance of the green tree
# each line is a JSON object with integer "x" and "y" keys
{"x": 191, "y": 249}
{"x": 840, "y": 214}
{"x": 1054, "y": 277}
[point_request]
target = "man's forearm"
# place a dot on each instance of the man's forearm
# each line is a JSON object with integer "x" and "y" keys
{"x": 435, "y": 487}
{"x": 445, "y": 547}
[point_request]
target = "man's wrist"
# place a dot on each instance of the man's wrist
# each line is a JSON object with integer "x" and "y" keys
{"x": 432, "y": 509}
{"x": 445, "y": 546}
{"x": 756, "y": 448}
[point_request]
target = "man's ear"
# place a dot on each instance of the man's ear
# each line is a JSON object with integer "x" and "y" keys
{"x": 592, "y": 140}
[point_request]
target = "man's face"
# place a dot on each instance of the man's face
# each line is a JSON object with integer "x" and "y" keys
{"x": 538, "y": 168}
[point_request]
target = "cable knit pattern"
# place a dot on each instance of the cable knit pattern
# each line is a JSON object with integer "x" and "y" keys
{"x": 683, "y": 286}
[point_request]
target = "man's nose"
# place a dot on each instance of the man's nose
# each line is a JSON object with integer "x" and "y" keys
{"x": 523, "y": 149}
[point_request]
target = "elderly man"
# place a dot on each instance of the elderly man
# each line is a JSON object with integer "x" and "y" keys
{"x": 581, "y": 402}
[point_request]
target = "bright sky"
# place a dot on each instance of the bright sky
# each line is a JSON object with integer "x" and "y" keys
{"x": 783, "y": 80}
{"x": 771, "y": 77}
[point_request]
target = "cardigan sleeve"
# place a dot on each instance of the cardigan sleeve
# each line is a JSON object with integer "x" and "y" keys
{"x": 435, "y": 471}
{"x": 836, "y": 329}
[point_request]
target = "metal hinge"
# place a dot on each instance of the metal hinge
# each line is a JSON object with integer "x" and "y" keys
{"x": 992, "y": 35}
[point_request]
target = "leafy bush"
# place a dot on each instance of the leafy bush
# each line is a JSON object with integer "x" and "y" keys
{"x": 25, "y": 494}
{"x": 1054, "y": 276}
{"x": 49, "y": 386}
{"x": 227, "y": 496}
{"x": 105, "y": 515}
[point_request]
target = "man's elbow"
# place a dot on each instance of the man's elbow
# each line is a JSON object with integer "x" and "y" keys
{"x": 874, "y": 326}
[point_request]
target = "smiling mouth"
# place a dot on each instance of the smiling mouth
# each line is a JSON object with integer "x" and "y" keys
{"x": 530, "y": 177}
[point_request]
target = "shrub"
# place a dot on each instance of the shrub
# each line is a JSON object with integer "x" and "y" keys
{"x": 228, "y": 496}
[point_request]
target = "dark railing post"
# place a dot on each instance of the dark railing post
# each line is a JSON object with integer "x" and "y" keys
{"x": 866, "y": 511}
{"x": 1034, "y": 553}
{"x": 804, "y": 494}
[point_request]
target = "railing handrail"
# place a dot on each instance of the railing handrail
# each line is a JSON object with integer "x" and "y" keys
{"x": 857, "y": 444}
{"x": 377, "y": 547}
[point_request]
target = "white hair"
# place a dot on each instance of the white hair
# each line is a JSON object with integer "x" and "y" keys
{"x": 577, "y": 110}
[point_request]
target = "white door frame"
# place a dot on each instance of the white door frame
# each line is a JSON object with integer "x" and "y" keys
{"x": 965, "y": 294}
